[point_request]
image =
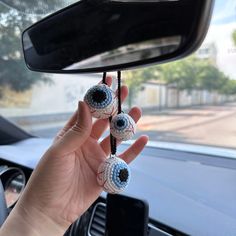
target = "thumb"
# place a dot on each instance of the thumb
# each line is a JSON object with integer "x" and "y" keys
{"x": 77, "y": 135}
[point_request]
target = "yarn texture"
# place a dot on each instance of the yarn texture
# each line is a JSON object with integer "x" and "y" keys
{"x": 102, "y": 101}
{"x": 113, "y": 175}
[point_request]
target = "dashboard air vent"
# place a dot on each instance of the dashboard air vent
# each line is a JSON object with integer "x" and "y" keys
{"x": 98, "y": 220}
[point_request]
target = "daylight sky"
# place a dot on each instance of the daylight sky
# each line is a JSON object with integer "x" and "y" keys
{"x": 222, "y": 25}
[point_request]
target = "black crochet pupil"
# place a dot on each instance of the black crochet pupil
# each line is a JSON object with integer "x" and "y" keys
{"x": 120, "y": 123}
{"x": 99, "y": 96}
{"x": 123, "y": 175}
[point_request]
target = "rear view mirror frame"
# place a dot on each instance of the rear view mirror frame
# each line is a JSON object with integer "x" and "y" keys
{"x": 189, "y": 43}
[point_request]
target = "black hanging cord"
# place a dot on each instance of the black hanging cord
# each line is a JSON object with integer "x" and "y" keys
{"x": 119, "y": 91}
{"x": 104, "y": 77}
{"x": 113, "y": 139}
{"x": 113, "y": 144}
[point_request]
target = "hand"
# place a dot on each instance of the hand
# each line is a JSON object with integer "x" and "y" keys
{"x": 64, "y": 184}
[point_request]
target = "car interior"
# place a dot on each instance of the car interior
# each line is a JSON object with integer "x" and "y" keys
{"x": 177, "y": 58}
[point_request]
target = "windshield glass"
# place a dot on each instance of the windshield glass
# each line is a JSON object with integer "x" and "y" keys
{"x": 188, "y": 101}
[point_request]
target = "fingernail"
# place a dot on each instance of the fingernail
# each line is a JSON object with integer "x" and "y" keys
{"x": 147, "y": 137}
{"x": 80, "y": 107}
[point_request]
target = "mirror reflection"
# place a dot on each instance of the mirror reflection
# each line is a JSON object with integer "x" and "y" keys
{"x": 98, "y": 34}
{"x": 131, "y": 53}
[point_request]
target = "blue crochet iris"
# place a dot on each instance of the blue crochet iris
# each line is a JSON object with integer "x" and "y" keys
{"x": 99, "y": 97}
{"x": 120, "y": 175}
{"x": 121, "y": 123}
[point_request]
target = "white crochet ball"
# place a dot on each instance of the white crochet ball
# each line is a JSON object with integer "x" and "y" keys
{"x": 113, "y": 175}
{"x": 123, "y": 127}
{"x": 102, "y": 101}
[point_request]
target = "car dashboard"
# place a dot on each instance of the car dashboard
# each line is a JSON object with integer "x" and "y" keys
{"x": 93, "y": 223}
{"x": 188, "y": 192}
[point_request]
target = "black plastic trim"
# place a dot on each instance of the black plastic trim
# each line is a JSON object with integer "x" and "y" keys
{"x": 196, "y": 38}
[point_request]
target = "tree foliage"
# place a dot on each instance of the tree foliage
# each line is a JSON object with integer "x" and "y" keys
{"x": 189, "y": 74}
{"x": 210, "y": 77}
{"x": 134, "y": 80}
{"x": 193, "y": 73}
{"x": 180, "y": 74}
{"x": 234, "y": 37}
{"x": 229, "y": 88}
{"x": 13, "y": 72}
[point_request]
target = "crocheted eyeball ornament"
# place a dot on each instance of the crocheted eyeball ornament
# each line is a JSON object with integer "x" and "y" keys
{"x": 113, "y": 175}
{"x": 102, "y": 101}
{"x": 123, "y": 127}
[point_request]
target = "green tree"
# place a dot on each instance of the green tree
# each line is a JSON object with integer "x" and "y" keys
{"x": 210, "y": 78}
{"x": 193, "y": 74}
{"x": 189, "y": 74}
{"x": 135, "y": 78}
{"x": 234, "y": 37}
{"x": 13, "y": 72}
{"x": 229, "y": 88}
{"x": 182, "y": 75}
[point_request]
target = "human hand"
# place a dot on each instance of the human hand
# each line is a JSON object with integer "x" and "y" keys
{"x": 64, "y": 184}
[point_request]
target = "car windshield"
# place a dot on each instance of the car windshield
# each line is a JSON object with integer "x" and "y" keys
{"x": 192, "y": 100}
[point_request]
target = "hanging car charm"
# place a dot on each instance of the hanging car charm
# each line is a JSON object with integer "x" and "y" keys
{"x": 102, "y": 101}
{"x": 113, "y": 175}
{"x": 123, "y": 127}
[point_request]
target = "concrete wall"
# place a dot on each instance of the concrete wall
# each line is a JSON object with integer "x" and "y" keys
{"x": 160, "y": 96}
{"x": 62, "y": 95}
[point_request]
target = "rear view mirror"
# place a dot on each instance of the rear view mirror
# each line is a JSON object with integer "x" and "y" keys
{"x": 108, "y": 35}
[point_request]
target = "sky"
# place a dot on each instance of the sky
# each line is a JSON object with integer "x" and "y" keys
{"x": 224, "y": 12}
{"x": 220, "y": 32}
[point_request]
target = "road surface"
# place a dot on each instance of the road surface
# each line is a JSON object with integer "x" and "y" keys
{"x": 208, "y": 125}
